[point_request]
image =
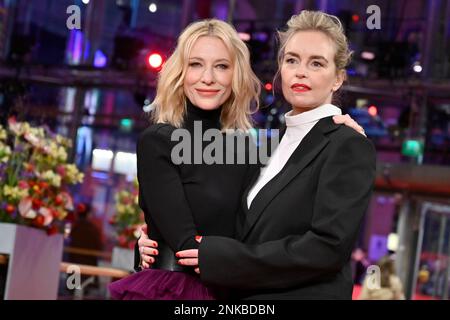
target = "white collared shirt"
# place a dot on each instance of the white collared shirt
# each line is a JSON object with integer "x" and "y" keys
{"x": 297, "y": 127}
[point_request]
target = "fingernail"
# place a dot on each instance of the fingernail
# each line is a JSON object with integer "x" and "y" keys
{"x": 154, "y": 252}
{"x": 198, "y": 238}
{"x": 155, "y": 244}
{"x": 177, "y": 255}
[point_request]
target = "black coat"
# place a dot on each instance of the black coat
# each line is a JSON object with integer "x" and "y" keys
{"x": 296, "y": 239}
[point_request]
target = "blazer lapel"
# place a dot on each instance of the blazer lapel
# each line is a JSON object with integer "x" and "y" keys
{"x": 256, "y": 176}
{"x": 311, "y": 145}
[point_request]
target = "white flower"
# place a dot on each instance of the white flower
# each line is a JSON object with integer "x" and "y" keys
{"x": 25, "y": 208}
{"x": 3, "y": 134}
{"x": 5, "y": 152}
{"x": 18, "y": 128}
{"x": 120, "y": 208}
{"x": 33, "y": 139}
{"x": 53, "y": 178}
{"x": 14, "y": 193}
{"x": 67, "y": 200}
{"x": 56, "y": 152}
{"x": 63, "y": 141}
{"x": 38, "y": 132}
{"x": 56, "y": 181}
{"x": 61, "y": 154}
{"x": 72, "y": 175}
{"x": 47, "y": 214}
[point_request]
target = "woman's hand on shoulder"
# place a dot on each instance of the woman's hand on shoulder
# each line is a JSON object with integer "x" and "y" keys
{"x": 349, "y": 122}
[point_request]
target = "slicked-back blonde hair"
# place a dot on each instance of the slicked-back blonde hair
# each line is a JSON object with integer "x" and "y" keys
{"x": 317, "y": 21}
{"x": 170, "y": 100}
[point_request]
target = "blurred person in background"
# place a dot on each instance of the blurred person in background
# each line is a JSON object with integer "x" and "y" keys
{"x": 86, "y": 235}
{"x": 360, "y": 264}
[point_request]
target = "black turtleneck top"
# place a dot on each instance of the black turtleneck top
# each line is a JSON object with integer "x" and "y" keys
{"x": 181, "y": 201}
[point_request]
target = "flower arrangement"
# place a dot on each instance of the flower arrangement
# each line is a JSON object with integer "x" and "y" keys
{"x": 35, "y": 176}
{"x": 128, "y": 216}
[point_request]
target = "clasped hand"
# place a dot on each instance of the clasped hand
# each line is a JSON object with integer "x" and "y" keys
{"x": 148, "y": 251}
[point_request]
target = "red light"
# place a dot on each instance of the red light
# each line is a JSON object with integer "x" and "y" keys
{"x": 355, "y": 18}
{"x": 155, "y": 60}
{"x": 268, "y": 86}
{"x": 373, "y": 111}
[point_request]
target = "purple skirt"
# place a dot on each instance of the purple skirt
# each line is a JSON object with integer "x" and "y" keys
{"x": 157, "y": 284}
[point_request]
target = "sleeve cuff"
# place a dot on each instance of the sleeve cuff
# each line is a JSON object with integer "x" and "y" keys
{"x": 190, "y": 244}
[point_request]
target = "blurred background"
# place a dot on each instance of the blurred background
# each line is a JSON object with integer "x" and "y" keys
{"x": 94, "y": 85}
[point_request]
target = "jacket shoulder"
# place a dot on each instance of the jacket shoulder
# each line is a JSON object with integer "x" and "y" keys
{"x": 344, "y": 134}
{"x": 158, "y": 130}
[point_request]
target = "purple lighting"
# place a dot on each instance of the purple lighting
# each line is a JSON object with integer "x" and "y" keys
{"x": 260, "y": 36}
{"x": 77, "y": 47}
{"x": 222, "y": 11}
{"x": 74, "y": 47}
{"x": 100, "y": 59}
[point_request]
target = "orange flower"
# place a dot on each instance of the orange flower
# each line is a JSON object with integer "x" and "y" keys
{"x": 39, "y": 221}
{"x": 10, "y": 209}
{"x": 29, "y": 167}
{"x": 58, "y": 200}
{"x": 36, "y": 203}
{"x": 43, "y": 185}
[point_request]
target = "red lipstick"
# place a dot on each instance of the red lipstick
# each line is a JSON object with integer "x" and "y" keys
{"x": 299, "y": 87}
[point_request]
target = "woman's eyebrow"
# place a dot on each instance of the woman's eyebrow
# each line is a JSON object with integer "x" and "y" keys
{"x": 318, "y": 57}
{"x": 290, "y": 53}
{"x": 217, "y": 60}
{"x": 222, "y": 59}
{"x": 310, "y": 58}
{"x": 195, "y": 58}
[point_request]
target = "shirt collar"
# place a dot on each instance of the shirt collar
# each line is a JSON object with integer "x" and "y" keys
{"x": 325, "y": 110}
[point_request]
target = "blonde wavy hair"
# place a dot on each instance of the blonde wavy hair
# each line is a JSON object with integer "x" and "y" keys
{"x": 170, "y": 100}
{"x": 317, "y": 21}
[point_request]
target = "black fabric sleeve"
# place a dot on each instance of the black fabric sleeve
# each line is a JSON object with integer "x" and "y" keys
{"x": 344, "y": 190}
{"x": 137, "y": 257}
{"x": 161, "y": 191}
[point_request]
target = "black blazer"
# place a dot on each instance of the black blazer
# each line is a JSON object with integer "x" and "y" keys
{"x": 296, "y": 239}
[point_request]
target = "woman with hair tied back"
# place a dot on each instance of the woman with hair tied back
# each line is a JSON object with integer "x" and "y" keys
{"x": 208, "y": 78}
